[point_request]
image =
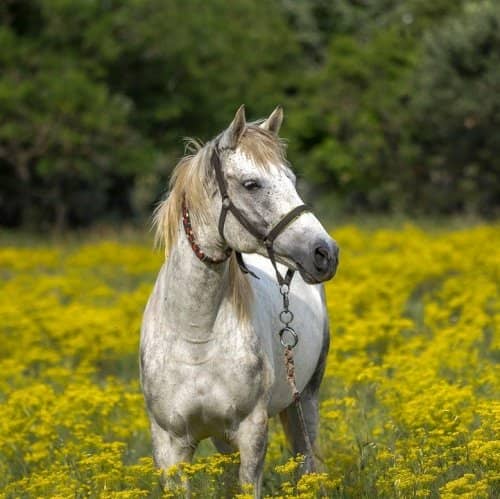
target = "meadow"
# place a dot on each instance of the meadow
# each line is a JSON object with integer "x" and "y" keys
{"x": 410, "y": 403}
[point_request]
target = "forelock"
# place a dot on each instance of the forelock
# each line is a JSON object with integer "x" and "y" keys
{"x": 263, "y": 147}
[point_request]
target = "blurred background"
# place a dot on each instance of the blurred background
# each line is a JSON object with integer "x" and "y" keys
{"x": 391, "y": 106}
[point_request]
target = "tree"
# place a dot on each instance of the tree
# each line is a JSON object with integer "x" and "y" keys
{"x": 350, "y": 118}
{"x": 60, "y": 131}
{"x": 456, "y": 110}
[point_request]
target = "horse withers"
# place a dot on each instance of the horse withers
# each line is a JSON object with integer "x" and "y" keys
{"x": 211, "y": 358}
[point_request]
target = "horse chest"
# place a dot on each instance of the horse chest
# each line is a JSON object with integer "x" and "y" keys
{"x": 207, "y": 389}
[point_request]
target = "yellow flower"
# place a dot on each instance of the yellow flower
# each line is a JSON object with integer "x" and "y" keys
{"x": 409, "y": 403}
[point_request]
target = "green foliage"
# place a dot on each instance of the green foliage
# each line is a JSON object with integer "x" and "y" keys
{"x": 456, "y": 109}
{"x": 389, "y": 104}
{"x": 91, "y": 91}
{"x": 64, "y": 136}
{"x": 356, "y": 122}
{"x": 185, "y": 65}
{"x": 402, "y": 114}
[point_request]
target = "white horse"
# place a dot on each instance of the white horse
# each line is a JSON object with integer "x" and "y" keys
{"x": 211, "y": 358}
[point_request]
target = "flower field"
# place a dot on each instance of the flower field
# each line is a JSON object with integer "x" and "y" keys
{"x": 410, "y": 401}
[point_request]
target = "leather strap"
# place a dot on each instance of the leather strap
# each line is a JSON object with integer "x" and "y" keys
{"x": 242, "y": 265}
{"x": 284, "y": 222}
{"x": 188, "y": 229}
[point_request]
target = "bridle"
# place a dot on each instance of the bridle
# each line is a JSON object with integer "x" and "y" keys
{"x": 228, "y": 206}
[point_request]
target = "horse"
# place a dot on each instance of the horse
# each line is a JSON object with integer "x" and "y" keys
{"x": 211, "y": 359}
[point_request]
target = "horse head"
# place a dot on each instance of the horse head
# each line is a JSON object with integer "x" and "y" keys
{"x": 258, "y": 186}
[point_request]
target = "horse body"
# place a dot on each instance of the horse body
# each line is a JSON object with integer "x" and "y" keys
{"x": 207, "y": 370}
{"x": 207, "y": 375}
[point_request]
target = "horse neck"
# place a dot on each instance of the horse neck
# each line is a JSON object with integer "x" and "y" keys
{"x": 194, "y": 290}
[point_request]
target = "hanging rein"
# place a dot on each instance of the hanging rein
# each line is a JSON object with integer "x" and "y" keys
{"x": 288, "y": 336}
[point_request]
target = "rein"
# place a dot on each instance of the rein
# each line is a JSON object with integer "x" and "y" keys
{"x": 288, "y": 336}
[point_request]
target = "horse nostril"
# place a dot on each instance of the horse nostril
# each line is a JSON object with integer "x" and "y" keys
{"x": 322, "y": 258}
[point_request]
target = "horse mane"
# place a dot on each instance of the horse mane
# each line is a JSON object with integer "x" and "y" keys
{"x": 194, "y": 179}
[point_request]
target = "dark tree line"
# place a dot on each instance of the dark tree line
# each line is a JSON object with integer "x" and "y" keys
{"x": 390, "y": 105}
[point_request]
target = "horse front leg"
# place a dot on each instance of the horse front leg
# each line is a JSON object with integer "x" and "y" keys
{"x": 169, "y": 450}
{"x": 251, "y": 440}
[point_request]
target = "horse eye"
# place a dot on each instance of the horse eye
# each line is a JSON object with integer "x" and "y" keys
{"x": 251, "y": 185}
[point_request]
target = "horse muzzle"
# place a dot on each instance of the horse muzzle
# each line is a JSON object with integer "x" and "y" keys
{"x": 320, "y": 263}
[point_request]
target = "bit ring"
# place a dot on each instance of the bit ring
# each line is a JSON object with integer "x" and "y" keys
{"x": 294, "y": 339}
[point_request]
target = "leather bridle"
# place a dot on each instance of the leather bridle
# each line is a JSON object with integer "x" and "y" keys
{"x": 228, "y": 206}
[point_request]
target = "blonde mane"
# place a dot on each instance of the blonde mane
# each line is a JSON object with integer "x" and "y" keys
{"x": 193, "y": 178}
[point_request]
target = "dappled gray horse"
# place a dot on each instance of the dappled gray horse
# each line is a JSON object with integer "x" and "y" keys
{"x": 211, "y": 358}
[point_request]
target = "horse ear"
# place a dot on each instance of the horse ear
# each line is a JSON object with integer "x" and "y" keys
{"x": 273, "y": 123}
{"x": 233, "y": 133}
